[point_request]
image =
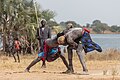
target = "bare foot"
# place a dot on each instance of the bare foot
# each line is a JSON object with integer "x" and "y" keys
{"x": 68, "y": 72}
{"x": 84, "y": 73}
{"x": 27, "y": 70}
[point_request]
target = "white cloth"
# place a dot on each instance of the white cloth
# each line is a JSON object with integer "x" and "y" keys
{"x": 43, "y": 29}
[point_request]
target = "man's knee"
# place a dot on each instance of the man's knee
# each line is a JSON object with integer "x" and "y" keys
{"x": 79, "y": 48}
{"x": 69, "y": 50}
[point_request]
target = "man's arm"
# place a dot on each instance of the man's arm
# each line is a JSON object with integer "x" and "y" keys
{"x": 37, "y": 34}
{"x": 60, "y": 34}
{"x": 71, "y": 42}
{"x": 49, "y": 33}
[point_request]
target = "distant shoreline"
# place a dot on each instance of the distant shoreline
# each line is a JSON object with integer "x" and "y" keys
{"x": 92, "y": 32}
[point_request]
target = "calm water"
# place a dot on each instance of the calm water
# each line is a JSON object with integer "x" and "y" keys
{"x": 104, "y": 40}
{"x": 107, "y": 40}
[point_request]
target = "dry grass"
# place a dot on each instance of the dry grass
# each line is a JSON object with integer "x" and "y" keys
{"x": 101, "y": 66}
{"x": 109, "y": 54}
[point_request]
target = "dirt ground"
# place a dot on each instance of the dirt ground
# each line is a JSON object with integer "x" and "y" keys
{"x": 98, "y": 70}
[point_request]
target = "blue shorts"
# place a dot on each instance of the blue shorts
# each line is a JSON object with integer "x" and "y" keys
{"x": 41, "y": 54}
{"x": 53, "y": 51}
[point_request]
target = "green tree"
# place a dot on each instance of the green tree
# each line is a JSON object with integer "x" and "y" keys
{"x": 48, "y": 14}
{"x": 115, "y": 28}
{"x": 99, "y": 27}
{"x": 21, "y": 18}
{"x": 104, "y": 27}
{"x": 52, "y": 23}
{"x": 95, "y": 22}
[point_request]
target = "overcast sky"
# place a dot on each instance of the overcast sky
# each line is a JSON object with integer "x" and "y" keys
{"x": 84, "y": 11}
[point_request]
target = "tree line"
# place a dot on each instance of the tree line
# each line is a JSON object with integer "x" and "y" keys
{"x": 97, "y": 26}
{"x": 21, "y": 18}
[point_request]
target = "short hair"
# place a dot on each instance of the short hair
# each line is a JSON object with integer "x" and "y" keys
{"x": 43, "y": 20}
{"x": 69, "y": 25}
{"x": 61, "y": 39}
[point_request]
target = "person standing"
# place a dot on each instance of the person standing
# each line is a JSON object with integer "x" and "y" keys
{"x": 43, "y": 33}
{"x": 68, "y": 27}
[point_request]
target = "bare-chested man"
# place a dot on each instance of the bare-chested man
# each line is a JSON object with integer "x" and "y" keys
{"x": 51, "y": 52}
{"x": 79, "y": 40}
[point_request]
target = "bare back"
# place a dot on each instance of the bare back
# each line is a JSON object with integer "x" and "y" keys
{"x": 52, "y": 42}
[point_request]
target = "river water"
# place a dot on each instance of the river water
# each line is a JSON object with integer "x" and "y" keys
{"x": 107, "y": 40}
{"x": 104, "y": 40}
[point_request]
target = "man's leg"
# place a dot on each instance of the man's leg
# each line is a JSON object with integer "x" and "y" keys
{"x": 43, "y": 64}
{"x": 81, "y": 57}
{"x": 65, "y": 62}
{"x": 32, "y": 64}
{"x": 42, "y": 49}
{"x": 18, "y": 56}
{"x": 70, "y": 55}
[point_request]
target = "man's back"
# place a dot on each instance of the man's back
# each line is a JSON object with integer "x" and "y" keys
{"x": 52, "y": 42}
{"x": 74, "y": 33}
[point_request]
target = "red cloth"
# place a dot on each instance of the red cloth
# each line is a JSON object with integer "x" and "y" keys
{"x": 85, "y": 29}
{"x": 17, "y": 45}
{"x": 46, "y": 50}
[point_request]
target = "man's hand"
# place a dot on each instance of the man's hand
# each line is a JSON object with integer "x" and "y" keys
{"x": 74, "y": 46}
{"x": 38, "y": 38}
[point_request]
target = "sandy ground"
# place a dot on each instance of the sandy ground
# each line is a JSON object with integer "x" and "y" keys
{"x": 98, "y": 70}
